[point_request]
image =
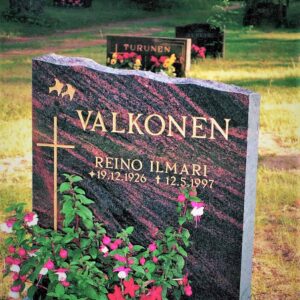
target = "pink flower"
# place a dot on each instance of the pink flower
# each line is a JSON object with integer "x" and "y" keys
{"x": 115, "y": 245}
{"x": 11, "y": 249}
{"x": 126, "y": 55}
{"x": 23, "y": 278}
{"x": 15, "y": 276}
{"x": 106, "y": 240}
{"x": 49, "y": 265}
{"x": 122, "y": 272}
{"x": 103, "y": 249}
{"x": 16, "y": 288}
{"x": 63, "y": 253}
{"x": 181, "y": 198}
{"x": 131, "y": 54}
{"x": 197, "y": 211}
{"x": 61, "y": 273}
{"x": 65, "y": 283}
{"x": 9, "y": 260}
{"x": 120, "y": 258}
{"x": 17, "y": 261}
{"x": 7, "y": 226}
{"x": 31, "y": 219}
{"x": 31, "y": 253}
{"x": 188, "y": 290}
{"x": 142, "y": 261}
{"x": 22, "y": 252}
{"x": 152, "y": 247}
{"x": 130, "y": 261}
{"x": 155, "y": 259}
{"x": 130, "y": 246}
{"x": 193, "y": 193}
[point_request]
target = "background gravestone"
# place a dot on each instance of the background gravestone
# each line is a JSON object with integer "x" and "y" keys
{"x": 150, "y": 46}
{"x": 219, "y": 262}
{"x": 204, "y": 35}
{"x": 72, "y": 3}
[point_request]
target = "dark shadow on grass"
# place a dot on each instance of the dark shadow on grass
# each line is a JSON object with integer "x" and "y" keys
{"x": 17, "y": 80}
{"x": 281, "y": 82}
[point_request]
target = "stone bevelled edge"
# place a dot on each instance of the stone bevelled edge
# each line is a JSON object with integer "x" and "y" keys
{"x": 250, "y": 197}
{"x": 89, "y": 63}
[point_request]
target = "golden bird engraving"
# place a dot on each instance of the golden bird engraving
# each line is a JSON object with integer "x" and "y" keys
{"x": 57, "y": 87}
{"x": 69, "y": 92}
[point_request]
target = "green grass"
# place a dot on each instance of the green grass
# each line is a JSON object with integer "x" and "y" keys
{"x": 265, "y": 61}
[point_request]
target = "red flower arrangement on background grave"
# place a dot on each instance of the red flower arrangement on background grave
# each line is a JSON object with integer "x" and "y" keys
{"x": 163, "y": 64}
{"x": 126, "y": 60}
{"x": 198, "y": 52}
{"x": 83, "y": 261}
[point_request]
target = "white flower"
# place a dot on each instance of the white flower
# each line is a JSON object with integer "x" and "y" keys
{"x": 14, "y": 295}
{"x": 5, "y": 228}
{"x": 196, "y": 212}
{"x": 15, "y": 268}
{"x": 103, "y": 249}
{"x": 43, "y": 271}
{"x": 122, "y": 274}
{"x": 62, "y": 276}
{"x": 32, "y": 253}
{"x": 32, "y": 221}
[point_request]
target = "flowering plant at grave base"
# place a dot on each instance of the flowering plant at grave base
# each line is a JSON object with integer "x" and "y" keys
{"x": 126, "y": 60}
{"x": 198, "y": 52}
{"x": 163, "y": 64}
{"x": 81, "y": 261}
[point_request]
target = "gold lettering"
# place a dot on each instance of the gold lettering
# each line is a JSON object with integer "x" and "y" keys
{"x": 153, "y": 48}
{"x": 167, "y": 49}
{"x": 139, "y": 48}
{"x": 162, "y": 128}
{"x": 139, "y": 163}
{"x": 99, "y": 123}
{"x": 124, "y": 163}
{"x": 196, "y": 169}
{"x": 109, "y": 163}
{"x": 126, "y": 46}
{"x": 99, "y": 161}
{"x": 160, "y": 49}
{"x": 133, "y": 122}
{"x": 170, "y": 167}
{"x": 114, "y": 128}
{"x": 218, "y": 127}
{"x": 84, "y": 123}
{"x": 184, "y": 169}
{"x": 180, "y": 129}
{"x": 196, "y": 126}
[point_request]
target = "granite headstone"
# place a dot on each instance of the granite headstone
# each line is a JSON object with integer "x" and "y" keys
{"x": 204, "y": 35}
{"x": 167, "y": 131}
{"x": 153, "y": 52}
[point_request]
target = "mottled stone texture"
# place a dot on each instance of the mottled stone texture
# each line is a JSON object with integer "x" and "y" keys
{"x": 220, "y": 257}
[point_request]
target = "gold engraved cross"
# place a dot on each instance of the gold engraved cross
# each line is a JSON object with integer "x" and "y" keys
{"x": 55, "y": 146}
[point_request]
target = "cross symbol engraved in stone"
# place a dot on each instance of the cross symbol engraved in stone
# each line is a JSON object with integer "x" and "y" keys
{"x": 55, "y": 146}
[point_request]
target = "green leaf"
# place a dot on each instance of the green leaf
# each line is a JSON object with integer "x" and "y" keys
{"x": 182, "y": 251}
{"x": 91, "y": 293}
{"x": 138, "y": 248}
{"x": 84, "y": 212}
{"x": 66, "y": 186}
{"x": 129, "y": 230}
{"x": 195, "y": 199}
{"x": 180, "y": 262}
{"x": 85, "y": 243}
{"x": 31, "y": 291}
{"x": 88, "y": 223}
{"x": 150, "y": 266}
{"x": 181, "y": 220}
{"x": 79, "y": 191}
{"x": 76, "y": 178}
{"x": 84, "y": 200}
{"x": 59, "y": 290}
{"x": 93, "y": 252}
